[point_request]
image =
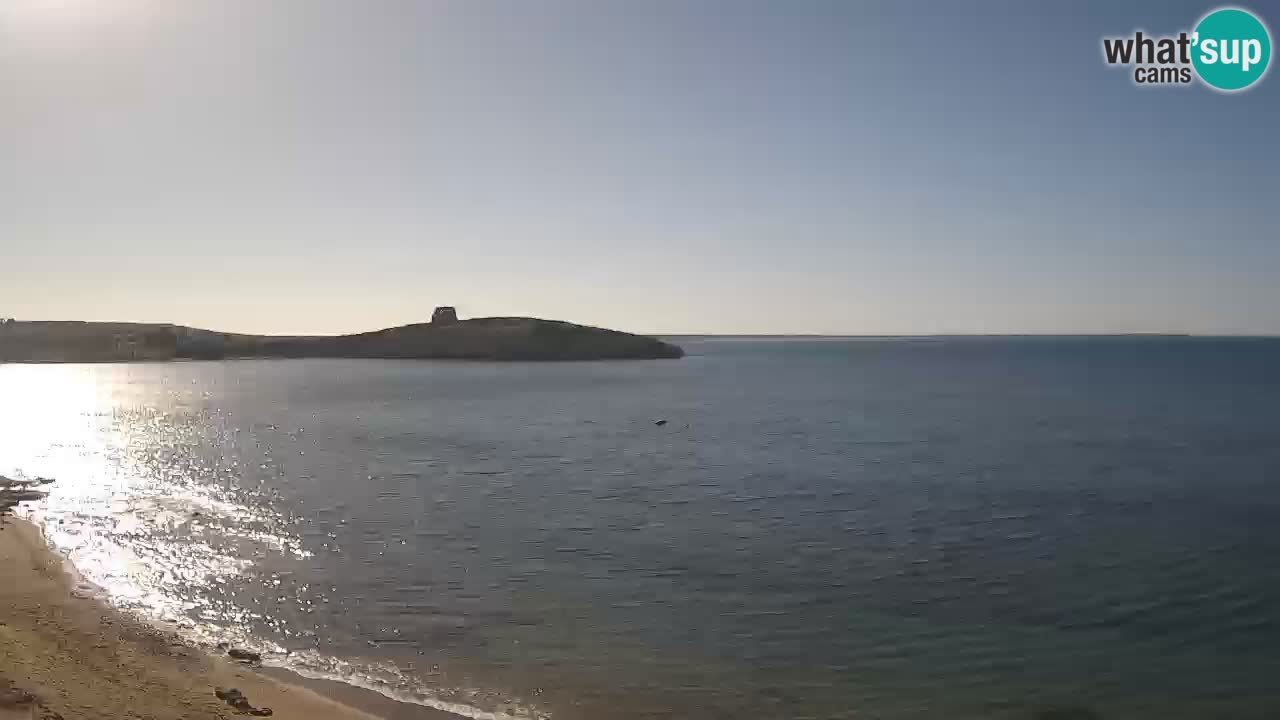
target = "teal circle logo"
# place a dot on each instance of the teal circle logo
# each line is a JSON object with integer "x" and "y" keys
{"x": 1232, "y": 49}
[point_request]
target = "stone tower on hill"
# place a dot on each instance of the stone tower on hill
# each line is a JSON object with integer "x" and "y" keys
{"x": 444, "y": 315}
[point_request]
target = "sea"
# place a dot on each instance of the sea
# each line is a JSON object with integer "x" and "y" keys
{"x": 798, "y": 528}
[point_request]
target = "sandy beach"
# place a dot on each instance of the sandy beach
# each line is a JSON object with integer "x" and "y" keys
{"x": 63, "y": 655}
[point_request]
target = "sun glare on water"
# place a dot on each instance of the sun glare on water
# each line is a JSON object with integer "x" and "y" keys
{"x": 120, "y": 513}
{"x": 50, "y": 417}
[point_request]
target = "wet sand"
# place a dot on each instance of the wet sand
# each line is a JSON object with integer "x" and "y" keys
{"x": 367, "y": 700}
{"x": 66, "y": 655}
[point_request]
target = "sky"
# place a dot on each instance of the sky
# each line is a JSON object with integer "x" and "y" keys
{"x": 658, "y": 166}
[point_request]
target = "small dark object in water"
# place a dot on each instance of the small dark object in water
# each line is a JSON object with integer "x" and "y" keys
{"x": 244, "y": 655}
{"x": 660, "y": 423}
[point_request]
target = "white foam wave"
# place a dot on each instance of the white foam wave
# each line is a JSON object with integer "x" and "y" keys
{"x": 106, "y": 567}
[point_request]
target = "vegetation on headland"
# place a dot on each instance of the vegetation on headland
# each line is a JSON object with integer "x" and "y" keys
{"x": 512, "y": 338}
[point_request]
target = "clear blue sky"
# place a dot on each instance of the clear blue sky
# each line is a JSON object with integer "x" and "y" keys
{"x": 657, "y": 166}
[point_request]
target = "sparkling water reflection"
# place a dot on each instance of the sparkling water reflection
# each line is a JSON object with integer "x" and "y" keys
{"x": 153, "y": 512}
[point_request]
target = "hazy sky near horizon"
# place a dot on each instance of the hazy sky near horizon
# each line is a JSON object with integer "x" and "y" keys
{"x": 658, "y": 166}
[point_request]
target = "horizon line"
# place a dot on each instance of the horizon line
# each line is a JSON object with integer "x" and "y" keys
{"x": 797, "y": 335}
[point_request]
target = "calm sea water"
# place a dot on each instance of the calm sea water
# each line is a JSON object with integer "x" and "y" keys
{"x": 968, "y": 528}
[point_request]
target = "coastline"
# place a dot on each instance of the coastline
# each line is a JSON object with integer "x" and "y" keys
{"x": 64, "y": 655}
{"x": 444, "y": 338}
